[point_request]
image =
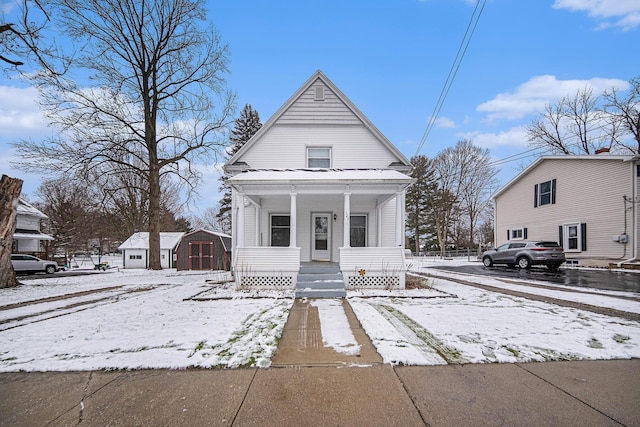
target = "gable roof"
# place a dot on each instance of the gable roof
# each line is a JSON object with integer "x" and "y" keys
{"x": 539, "y": 160}
{"x": 26, "y": 208}
{"x": 140, "y": 240}
{"x": 402, "y": 163}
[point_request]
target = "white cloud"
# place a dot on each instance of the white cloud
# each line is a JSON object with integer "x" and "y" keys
{"x": 533, "y": 95}
{"x": 444, "y": 122}
{"x": 514, "y": 137}
{"x": 625, "y": 13}
{"x": 20, "y": 114}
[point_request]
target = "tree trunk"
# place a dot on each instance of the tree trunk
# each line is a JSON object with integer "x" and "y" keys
{"x": 10, "y": 189}
{"x": 154, "y": 218}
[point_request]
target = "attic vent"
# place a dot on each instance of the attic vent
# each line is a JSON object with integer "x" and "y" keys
{"x": 318, "y": 93}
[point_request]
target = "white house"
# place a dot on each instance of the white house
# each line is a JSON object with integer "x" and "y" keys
{"x": 589, "y": 204}
{"x": 27, "y": 237}
{"x": 135, "y": 250}
{"x": 318, "y": 183}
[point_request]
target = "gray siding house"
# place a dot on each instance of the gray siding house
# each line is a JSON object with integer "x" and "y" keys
{"x": 318, "y": 183}
{"x": 587, "y": 203}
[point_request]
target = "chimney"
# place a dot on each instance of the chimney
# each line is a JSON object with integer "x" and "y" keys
{"x": 602, "y": 150}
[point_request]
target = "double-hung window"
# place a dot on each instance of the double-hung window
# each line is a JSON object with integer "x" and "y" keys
{"x": 358, "y": 231}
{"x": 544, "y": 193}
{"x": 280, "y": 230}
{"x": 318, "y": 157}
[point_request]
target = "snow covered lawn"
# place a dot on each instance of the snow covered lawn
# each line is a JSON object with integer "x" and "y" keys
{"x": 133, "y": 319}
{"x": 469, "y": 325}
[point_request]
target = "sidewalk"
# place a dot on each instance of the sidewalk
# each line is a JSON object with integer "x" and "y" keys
{"x": 309, "y": 384}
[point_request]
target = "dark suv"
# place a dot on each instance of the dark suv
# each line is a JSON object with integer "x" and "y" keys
{"x": 525, "y": 254}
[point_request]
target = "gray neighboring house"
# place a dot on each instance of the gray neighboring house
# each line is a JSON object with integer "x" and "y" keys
{"x": 587, "y": 203}
{"x": 135, "y": 250}
{"x": 27, "y": 238}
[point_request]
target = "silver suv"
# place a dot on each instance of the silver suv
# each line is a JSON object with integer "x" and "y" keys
{"x": 30, "y": 264}
{"x": 525, "y": 254}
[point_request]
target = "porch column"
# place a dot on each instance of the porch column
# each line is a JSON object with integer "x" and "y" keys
{"x": 346, "y": 241}
{"x": 379, "y": 226}
{"x": 293, "y": 225}
{"x": 399, "y": 220}
{"x": 240, "y": 221}
{"x": 257, "y": 226}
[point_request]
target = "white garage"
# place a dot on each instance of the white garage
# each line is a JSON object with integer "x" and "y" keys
{"x": 135, "y": 250}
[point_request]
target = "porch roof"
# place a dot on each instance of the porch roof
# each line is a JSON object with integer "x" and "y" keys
{"x": 330, "y": 180}
{"x": 315, "y": 176}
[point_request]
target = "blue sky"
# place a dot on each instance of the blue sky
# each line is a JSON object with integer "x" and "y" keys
{"x": 391, "y": 58}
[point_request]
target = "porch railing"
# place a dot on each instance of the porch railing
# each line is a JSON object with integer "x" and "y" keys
{"x": 266, "y": 267}
{"x": 373, "y": 267}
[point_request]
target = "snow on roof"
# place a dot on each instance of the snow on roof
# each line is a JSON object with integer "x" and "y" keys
{"x": 26, "y": 208}
{"x": 216, "y": 233}
{"x": 140, "y": 240}
{"x": 323, "y": 175}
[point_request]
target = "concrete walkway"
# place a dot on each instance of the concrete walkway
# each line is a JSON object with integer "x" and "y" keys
{"x": 311, "y": 385}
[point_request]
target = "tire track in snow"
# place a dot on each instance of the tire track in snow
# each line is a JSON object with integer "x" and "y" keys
{"x": 421, "y": 339}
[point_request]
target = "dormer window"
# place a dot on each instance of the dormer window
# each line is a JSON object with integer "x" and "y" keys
{"x": 318, "y": 93}
{"x": 319, "y": 157}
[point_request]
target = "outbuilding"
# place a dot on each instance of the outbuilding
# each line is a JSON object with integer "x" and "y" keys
{"x": 204, "y": 250}
{"x": 135, "y": 250}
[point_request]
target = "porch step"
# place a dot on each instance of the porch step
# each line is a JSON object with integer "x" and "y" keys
{"x": 320, "y": 281}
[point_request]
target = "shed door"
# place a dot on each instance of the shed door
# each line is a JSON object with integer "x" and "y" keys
{"x": 200, "y": 255}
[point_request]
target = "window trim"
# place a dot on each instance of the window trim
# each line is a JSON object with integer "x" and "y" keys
{"x": 537, "y": 198}
{"x": 328, "y": 158}
{"x": 271, "y": 215}
{"x": 522, "y": 231}
{"x": 581, "y": 236}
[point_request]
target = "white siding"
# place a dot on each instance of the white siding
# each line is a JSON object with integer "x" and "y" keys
{"x": 27, "y": 222}
{"x": 587, "y": 191}
{"x": 306, "y": 109}
{"x": 285, "y": 147}
{"x": 388, "y": 234}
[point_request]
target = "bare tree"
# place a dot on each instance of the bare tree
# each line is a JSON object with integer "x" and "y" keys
{"x": 9, "y": 192}
{"x": 574, "y": 125}
{"x": 445, "y": 202}
{"x": 476, "y": 182}
{"x": 159, "y": 95}
{"x": 626, "y": 110}
{"x": 68, "y": 204}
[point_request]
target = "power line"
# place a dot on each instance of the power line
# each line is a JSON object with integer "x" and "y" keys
{"x": 453, "y": 71}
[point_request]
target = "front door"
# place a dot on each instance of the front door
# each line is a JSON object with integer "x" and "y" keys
{"x": 321, "y": 238}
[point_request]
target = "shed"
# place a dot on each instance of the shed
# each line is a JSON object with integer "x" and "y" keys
{"x": 135, "y": 250}
{"x": 204, "y": 250}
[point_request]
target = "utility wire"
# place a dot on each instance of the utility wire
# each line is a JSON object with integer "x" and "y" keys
{"x": 453, "y": 71}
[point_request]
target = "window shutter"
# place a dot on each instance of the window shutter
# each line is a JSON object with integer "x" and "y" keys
{"x": 561, "y": 242}
{"x": 524, "y": 233}
{"x": 583, "y": 233}
{"x": 508, "y": 234}
{"x": 553, "y": 191}
{"x": 535, "y": 196}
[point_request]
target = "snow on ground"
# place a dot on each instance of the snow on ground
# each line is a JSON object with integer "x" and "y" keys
{"x": 131, "y": 319}
{"x": 477, "y": 326}
{"x": 334, "y": 326}
{"x": 137, "y": 319}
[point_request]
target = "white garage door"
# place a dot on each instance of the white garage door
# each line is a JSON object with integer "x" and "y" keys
{"x": 135, "y": 258}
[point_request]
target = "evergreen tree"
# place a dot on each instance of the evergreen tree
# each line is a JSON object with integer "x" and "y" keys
{"x": 245, "y": 127}
{"x": 419, "y": 208}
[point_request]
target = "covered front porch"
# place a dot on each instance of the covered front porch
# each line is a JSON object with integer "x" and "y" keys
{"x": 314, "y": 216}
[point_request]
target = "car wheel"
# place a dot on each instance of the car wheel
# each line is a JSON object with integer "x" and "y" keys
{"x": 50, "y": 269}
{"x": 487, "y": 261}
{"x": 523, "y": 263}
